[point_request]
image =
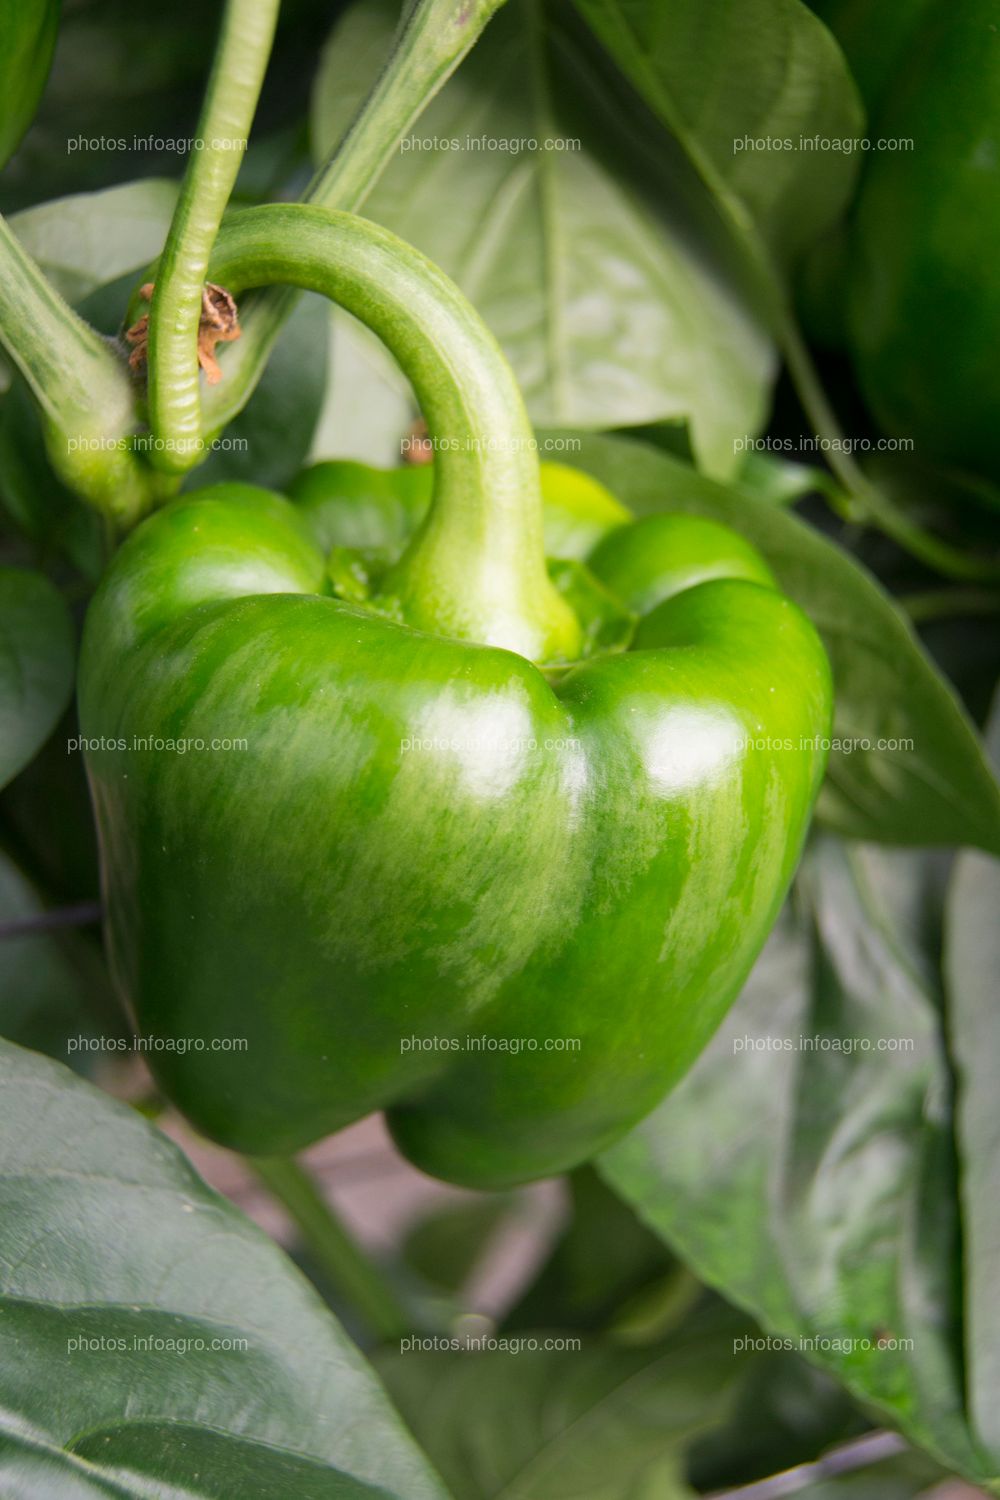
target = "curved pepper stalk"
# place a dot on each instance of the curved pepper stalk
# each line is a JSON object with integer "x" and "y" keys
{"x": 476, "y": 569}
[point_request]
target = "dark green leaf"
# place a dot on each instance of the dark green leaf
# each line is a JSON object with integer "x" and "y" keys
{"x": 107, "y": 1235}
{"x": 909, "y": 768}
{"x": 158, "y": 1461}
{"x": 590, "y": 1423}
{"x": 875, "y": 41}
{"x": 805, "y": 1165}
{"x": 36, "y": 665}
{"x": 27, "y": 38}
{"x": 973, "y": 967}
{"x": 530, "y": 229}
{"x": 724, "y": 79}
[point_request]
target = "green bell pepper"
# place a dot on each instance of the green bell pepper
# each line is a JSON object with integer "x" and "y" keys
{"x": 923, "y": 299}
{"x": 27, "y": 40}
{"x": 431, "y": 828}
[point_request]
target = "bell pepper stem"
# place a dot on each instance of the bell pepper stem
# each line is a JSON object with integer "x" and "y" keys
{"x": 175, "y": 312}
{"x": 333, "y": 1248}
{"x": 432, "y": 39}
{"x": 475, "y": 569}
{"x": 81, "y": 385}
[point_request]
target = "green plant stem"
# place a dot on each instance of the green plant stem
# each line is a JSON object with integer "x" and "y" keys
{"x": 870, "y": 506}
{"x": 867, "y": 504}
{"x": 175, "y": 312}
{"x": 81, "y": 385}
{"x": 60, "y": 355}
{"x": 432, "y": 39}
{"x": 335, "y": 1251}
{"x": 475, "y": 569}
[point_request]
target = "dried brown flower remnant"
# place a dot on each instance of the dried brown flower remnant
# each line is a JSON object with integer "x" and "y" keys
{"x": 138, "y": 334}
{"x": 219, "y": 324}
